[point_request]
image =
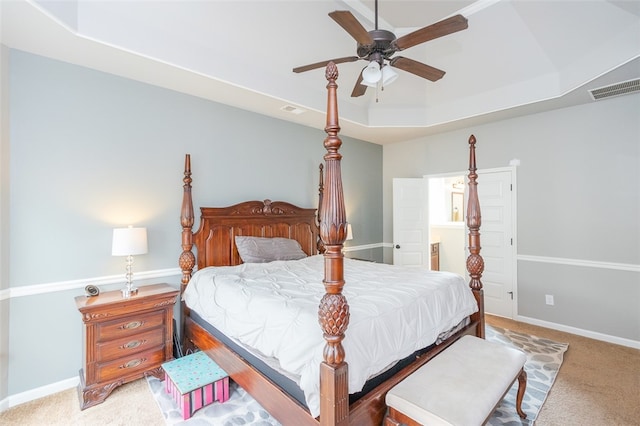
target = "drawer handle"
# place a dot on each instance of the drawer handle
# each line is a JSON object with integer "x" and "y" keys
{"x": 133, "y": 363}
{"x": 132, "y": 344}
{"x": 131, "y": 325}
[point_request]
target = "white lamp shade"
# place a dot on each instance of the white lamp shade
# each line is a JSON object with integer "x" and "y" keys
{"x": 388, "y": 75}
{"x": 371, "y": 74}
{"x": 129, "y": 241}
{"x": 365, "y": 83}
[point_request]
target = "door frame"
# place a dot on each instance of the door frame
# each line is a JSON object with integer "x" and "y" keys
{"x": 514, "y": 221}
{"x": 514, "y": 228}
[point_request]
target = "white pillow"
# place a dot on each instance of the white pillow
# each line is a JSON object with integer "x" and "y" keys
{"x": 261, "y": 250}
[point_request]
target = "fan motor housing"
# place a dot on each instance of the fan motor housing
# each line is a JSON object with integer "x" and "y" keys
{"x": 381, "y": 43}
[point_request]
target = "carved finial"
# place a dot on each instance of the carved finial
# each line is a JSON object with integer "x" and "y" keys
{"x": 266, "y": 209}
{"x": 187, "y": 170}
{"x": 331, "y": 72}
{"x": 472, "y": 153}
{"x": 332, "y": 142}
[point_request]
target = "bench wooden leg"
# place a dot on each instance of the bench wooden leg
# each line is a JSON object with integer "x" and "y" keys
{"x": 396, "y": 418}
{"x": 388, "y": 421}
{"x": 522, "y": 386}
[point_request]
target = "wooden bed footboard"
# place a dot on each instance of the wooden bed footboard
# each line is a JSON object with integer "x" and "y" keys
{"x": 366, "y": 411}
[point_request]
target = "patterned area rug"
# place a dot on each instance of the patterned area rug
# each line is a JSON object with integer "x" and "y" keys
{"x": 544, "y": 358}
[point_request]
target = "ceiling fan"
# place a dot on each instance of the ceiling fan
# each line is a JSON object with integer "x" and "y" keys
{"x": 378, "y": 46}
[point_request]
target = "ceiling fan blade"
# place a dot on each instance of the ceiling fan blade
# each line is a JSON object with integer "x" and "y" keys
{"x": 346, "y": 20}
{"x": 359, "y": 89}
{"x": 324, "y": 63}
{"x": 417, "y": 68}
{"x": 445, "y": 27}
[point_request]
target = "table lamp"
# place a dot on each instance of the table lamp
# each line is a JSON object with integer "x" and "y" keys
{"x": 129, "y": 242}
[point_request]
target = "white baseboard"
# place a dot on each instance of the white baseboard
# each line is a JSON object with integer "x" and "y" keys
{"x": 580, "y": 332}
{"x": 37, "y": 393}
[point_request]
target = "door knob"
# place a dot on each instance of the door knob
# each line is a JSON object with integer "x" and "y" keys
{"x": 397, "y": 246}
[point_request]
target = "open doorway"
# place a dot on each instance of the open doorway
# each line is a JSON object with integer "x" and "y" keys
{"x": 446, "y": 221}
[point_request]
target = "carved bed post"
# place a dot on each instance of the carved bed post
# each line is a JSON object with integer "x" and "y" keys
{"x": 333, "y": 312}
{"x": 187, "y": 260}
{"x": 475, "y": 263}
{"x": 320, "y": 190}
{"x": 320, "y": 245}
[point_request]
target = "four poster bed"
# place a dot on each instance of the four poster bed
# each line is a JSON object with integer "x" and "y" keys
{"x": 259, "y": 321}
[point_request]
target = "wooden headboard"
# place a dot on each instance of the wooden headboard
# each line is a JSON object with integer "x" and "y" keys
{"x": 215, "y": 238}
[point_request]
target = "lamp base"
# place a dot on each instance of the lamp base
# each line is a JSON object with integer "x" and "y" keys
{"x": 128, "y": 292}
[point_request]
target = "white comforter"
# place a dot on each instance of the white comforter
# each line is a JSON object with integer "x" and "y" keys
{"x": 273, "y": 307}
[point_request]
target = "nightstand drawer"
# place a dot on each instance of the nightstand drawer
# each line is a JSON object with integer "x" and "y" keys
{"x": 128, "y": 326}
{"x": 130, "y": 365}
{"x": 129, "y": 345}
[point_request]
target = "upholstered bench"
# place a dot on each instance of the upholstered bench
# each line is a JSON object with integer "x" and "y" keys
{"x": 460, "y": 386}
{"x": 195, "y": 381}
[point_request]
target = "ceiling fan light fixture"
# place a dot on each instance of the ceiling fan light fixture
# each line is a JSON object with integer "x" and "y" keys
{"x": 371, "y": 74}
{"x": 377, "y": 46}
{"x": 388, "y": 75}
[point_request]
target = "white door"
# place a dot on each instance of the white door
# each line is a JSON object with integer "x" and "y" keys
{"x": 496, "y": 241}
{"x": 410, "y": 222}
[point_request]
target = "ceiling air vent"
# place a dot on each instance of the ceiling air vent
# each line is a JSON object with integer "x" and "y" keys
{"x": 617, "y": 89}
{"x": 292, "y": 109}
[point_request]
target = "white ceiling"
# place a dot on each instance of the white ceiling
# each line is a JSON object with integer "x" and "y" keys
{"x": 517, "y": 57}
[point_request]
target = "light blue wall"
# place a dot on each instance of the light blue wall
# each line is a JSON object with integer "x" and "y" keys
{"x": 90, "y": 151}
{"x": 4, "y": 220}
{"x": 578, "y": 207}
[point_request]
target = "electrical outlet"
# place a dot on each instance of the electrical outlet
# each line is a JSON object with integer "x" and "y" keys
{"x": 549, "y": 299}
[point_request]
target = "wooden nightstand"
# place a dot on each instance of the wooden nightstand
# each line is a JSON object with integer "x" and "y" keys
{"x": 124, "y": 339}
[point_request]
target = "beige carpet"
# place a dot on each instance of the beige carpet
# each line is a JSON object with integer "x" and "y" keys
{"x": 598, "y": 384}
{"x": 131, "y": 404}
